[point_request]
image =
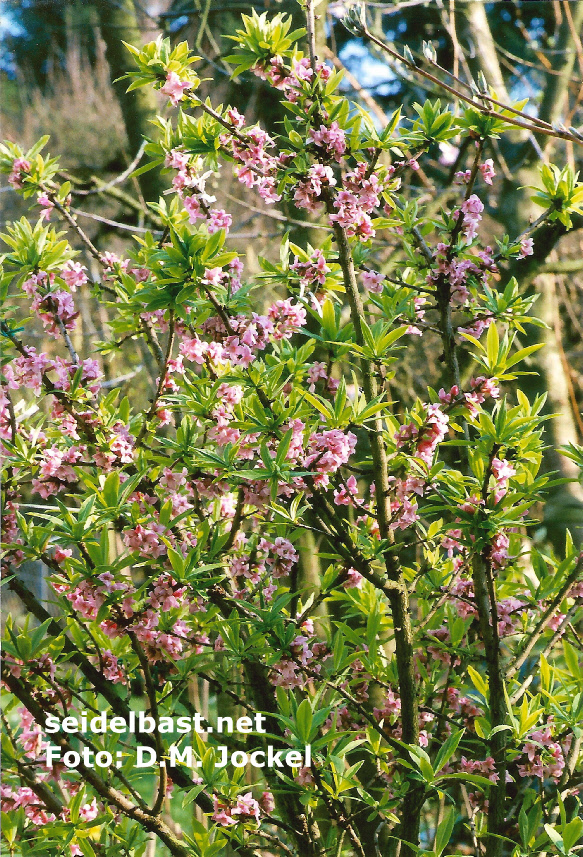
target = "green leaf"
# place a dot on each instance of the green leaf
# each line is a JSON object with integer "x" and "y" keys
{"x": 447, "y": 750}
{"x": 470, "y": 778}
{"x": 554, "y": 836}
{"x": 304, "y": 721}
{"x": 572, "y": 659}
{"x": 444, "y": 831}
{"x": 572, "y": 833}
{"x": 492, "y": 345}
{"x": 479, "y": 683}
{"x": 111, "y": 489}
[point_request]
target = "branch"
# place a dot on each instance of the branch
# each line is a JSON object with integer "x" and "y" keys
{"x": 540, "y": 628}
{"x": 108, "y": 793}
{"x": 95, "y": 678}
{"x": 535, "y": 127}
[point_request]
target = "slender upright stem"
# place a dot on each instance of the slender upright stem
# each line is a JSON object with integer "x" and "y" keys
{"x": 398, "y": 599}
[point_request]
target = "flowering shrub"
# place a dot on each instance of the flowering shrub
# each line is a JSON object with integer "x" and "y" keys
{"x": 430, "y": 674}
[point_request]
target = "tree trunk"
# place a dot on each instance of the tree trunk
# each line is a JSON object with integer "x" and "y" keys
{"x": 118, "y": 22}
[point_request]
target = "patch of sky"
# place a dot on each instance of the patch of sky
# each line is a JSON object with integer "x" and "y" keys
{"x": 371, "y": 73}
{"x": 537, "y": 28}
{"x": 176, "y": 23}
{"x": 8, "y": 27}
{"x": 517, "y": 91}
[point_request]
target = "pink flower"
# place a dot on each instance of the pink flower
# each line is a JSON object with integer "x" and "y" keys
{"x": 305, "y": 778}
{"x": 344, "y": 496}
{"x": 331, "y": 139}
{"x": 46, "y": 204}
{"x": 328, "y": 451}
{"x": 177, "y": 159}
{"x": 502, "y": 471}
{"x": 267, "y": 802}
{"x": 247, "y": 805}
{"x": 486, "y": 767}
{"x": 193, "y": 207}
{"x": 89, "y": 811}
{"x": 526, "y": 248}
{"x": 218, "y": 219}
{"x": 111, "y": 669}
{"x": 287, "y": 318}
{"x": 373, "y": 281}
{"x": 222, "y": 813}
{"x": 499, "y": 550}
{"x": 487, "y": 170}
{"x": 354, "y": 579}
{"x": 73, "y": 273}
{"x": 312, "y": 272}
{"x": 462, "y": 177}
{"x": 145, "y": 540}
{"x": 472, "y": 209}
{"x": 175, "y": 88}
{"x": 214, "y": 276}
{"x": 20, "y": 167}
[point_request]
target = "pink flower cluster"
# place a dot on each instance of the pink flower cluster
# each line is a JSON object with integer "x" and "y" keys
{"x": 344, "y": 496}
{"x": 391, "y": 707}
{"x": 355, "y": 203}
{"x": 256, "y": 166}
{"x": 46, "y": 204}
{"x": 73, "y": 273}
{"x": 31, "y": 736}
{"x": 486, "y": 767}
{"x": 5, "y": 415}
{"x": 498, "y": 552}
{"x": 55, "y": 470}
{"x": 331, "y": 139}
{"x": 293, "y": 83}
{"x": 455, "y": 272}
{"x": 418, "y": 304}
{"x": 544, "y": 755}
{"x": 328, "y": 451}
{"x": 482, "y": 388}
{"x": 472, "y": 209}
{"x": 287, "y": 318}
{"x": 249, "y": 335}
{"x": 486, "y": 169}
{"x": 120, "y": 448}
{"x": 111, "y": 668}
{"x": 246, "y": 809}
{"x": 373, "y": 281}
{"x": 319, "y": 371}
{"x": 526, "y": 248}
{"x": 268, "y": 560}
{"x": 463, "y": 706}
{"x": 28, "y": 370}
{"x": 425, "y": 438}
{"x": 191, "y": 187}
{"x": 20, "y": 169}
{"x": 24, "y": 797}
{"x": 404, "y": 508}
{"x": 174, "y": 87}
{"x": 313, "y": 272}
{"x": 308, "y": 191}
{"x": 146, "y": 539}
{"x": 502, "y": 471}
{"x": 54, "y": 307}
